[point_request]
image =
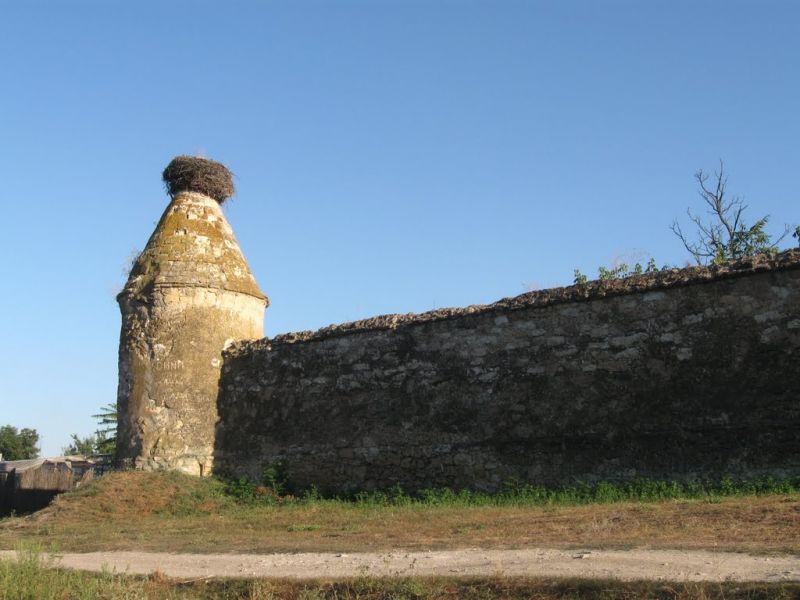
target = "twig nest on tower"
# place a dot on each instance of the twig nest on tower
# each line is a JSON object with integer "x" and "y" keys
{"x": 201, "y": 175}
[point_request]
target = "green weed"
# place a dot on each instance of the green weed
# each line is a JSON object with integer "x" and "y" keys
{"x": 302, "y": 527}
{"x": 519, "y": 494}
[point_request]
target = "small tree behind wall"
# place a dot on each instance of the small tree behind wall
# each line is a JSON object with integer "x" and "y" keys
{"x": 103, "y": 441}
{"x": 91, "y": 445}
{"x": 107, "y": 436}
{"x": 725, "y": 234}
{"x": 19, "y": 444}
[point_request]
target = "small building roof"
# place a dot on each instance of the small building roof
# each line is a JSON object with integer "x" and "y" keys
{"x": 6, "y": 466}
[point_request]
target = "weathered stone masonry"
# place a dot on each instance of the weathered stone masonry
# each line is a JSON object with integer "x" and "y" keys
{"x": 682, "y": 374}
{"x": 189, "y": 295}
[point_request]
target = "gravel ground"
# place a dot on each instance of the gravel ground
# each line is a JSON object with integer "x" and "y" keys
{"x": 668, "y": 565}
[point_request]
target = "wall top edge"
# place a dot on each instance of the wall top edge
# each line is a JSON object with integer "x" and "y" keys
{"x": 592, "y": 290}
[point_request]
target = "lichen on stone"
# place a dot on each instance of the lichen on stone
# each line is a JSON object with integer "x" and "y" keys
{"x": 192, "y": 246}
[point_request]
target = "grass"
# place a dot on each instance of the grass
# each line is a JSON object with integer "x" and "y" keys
{"x": 32, "y": 576}
{"x": 177, "y": 513}
{"x": 518, "y": 494}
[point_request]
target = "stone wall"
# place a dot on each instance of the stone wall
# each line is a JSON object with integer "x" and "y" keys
{"x": 682, "y": 374}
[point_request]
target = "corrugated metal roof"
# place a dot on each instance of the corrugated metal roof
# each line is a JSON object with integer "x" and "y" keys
{"x": 7, "y": 466}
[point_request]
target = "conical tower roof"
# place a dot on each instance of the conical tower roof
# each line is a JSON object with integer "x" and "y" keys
{"x": 192, "y": 246}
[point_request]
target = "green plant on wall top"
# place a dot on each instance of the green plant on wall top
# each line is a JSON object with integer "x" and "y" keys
{"x": 620, "y": 271}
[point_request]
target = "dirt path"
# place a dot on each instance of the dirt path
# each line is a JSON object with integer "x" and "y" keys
{"x": 671, "y": 565}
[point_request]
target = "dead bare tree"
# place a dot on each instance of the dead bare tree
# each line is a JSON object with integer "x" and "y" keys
{"x": 725, "y": 236}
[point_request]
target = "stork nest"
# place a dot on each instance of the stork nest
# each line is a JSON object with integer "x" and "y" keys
{"x": 201, "y": 175}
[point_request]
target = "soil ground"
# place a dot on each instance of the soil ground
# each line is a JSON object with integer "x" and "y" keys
{"x": 626, "y": 565}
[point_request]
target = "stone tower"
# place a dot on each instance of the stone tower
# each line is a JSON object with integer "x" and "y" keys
{"x": 189, "y": 295}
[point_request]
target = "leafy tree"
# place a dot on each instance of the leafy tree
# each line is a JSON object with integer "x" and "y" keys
{"x": 102, "y": 441}
{"x": 725, "y": 236}
{"x": 78, "y": 445}
{"x": 107, "y": 437}
{"x": 18, "y": 444}
{"x": 86, "y": 446}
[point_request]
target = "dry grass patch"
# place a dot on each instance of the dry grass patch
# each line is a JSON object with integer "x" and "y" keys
{"x": 176, "y": 513}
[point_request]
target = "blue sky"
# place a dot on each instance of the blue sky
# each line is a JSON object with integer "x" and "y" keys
{"x": 391, "y": 156}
